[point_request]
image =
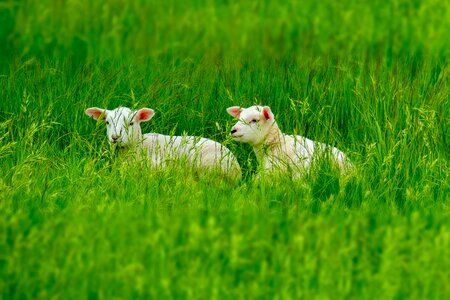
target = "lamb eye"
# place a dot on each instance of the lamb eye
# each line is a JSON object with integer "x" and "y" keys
{"x": 253, "y": 121}
{"x": 107, "y": 122}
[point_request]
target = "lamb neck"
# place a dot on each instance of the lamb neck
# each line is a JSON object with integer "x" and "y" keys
{"x": 271, "y": 142}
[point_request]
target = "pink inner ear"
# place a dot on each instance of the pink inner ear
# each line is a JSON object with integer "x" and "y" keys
{"x": 144, "y": 115}
{"x": 266, "y": 113}
{"x": 234, "y": 111}
{"x": 95, "y": 113}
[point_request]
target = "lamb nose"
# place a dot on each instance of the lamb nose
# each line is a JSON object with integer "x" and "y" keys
{"x": 233, "y": 130}
{"x": 114, "y": 136}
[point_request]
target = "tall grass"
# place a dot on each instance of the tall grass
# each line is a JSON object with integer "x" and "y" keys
{"x": 370, "y": 78}
{"x": 216, "y": 28}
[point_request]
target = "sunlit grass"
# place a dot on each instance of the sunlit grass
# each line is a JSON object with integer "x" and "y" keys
{"x": 371, "y": 79}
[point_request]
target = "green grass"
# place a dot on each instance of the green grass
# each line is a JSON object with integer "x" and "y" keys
{"x": 370, "y": 78}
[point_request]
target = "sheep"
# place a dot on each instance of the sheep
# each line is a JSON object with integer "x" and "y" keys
{"x": 124, "y": 132}
{"x": 276, "y": 151}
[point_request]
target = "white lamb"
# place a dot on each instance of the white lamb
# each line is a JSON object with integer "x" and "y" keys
{"x": 124, "y": 131}
{"x": 276, "y": 151}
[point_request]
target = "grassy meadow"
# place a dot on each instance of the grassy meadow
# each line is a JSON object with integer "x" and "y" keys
{"x": 372, "y": 78}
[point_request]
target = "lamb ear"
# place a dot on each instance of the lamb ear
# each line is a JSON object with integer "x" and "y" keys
{"x": 267, "y": 113}
{"x": 144, "y": 114}
{"x": 96, "y": 113}
{"x": 234, "y": 111}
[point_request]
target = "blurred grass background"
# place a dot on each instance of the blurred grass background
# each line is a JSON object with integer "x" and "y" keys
{"x": 370, "y": 77}
{"x": 217, "y": 29}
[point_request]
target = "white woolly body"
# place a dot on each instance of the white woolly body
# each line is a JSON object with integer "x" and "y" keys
{"x": 123, "y": 130}
{"x": 195, "y": 151}
{"x": 295, "y": 153}
{"x": 275, "y": 150}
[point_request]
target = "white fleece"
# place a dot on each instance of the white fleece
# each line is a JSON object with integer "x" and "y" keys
{"x": 275, "y": 150}
{"x": 124, "y": 131}
{"x": 198, "y": 152}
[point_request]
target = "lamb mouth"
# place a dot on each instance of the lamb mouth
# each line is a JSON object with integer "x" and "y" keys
{"x": 117, "y": 143}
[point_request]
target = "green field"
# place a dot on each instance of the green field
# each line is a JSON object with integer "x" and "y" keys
{"x": 370, "y": 77}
